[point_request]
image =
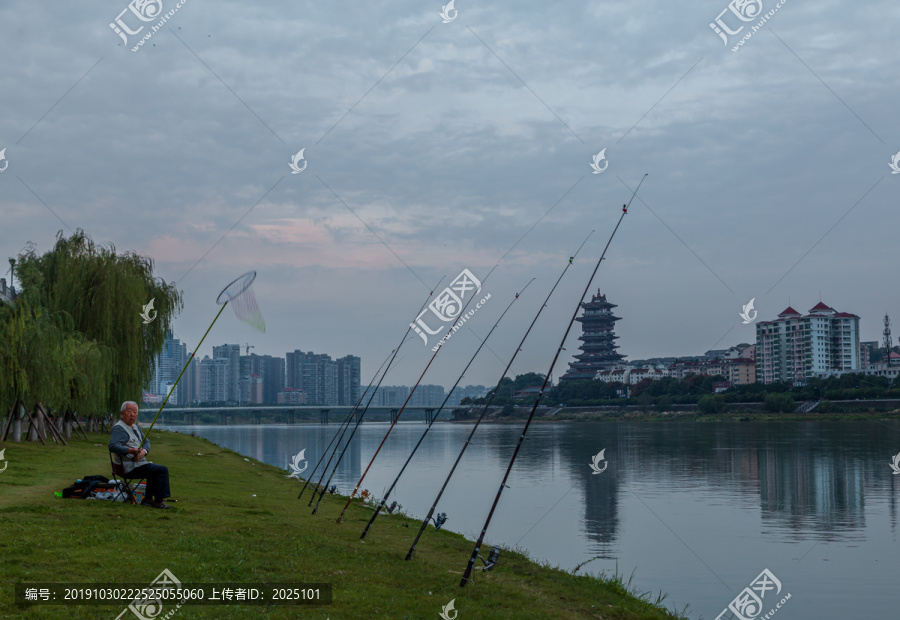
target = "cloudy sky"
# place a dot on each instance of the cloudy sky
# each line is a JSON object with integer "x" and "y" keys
{"x": 431, "y": 147}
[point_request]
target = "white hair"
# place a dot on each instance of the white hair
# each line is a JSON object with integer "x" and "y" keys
{"x": 129, "y": 402}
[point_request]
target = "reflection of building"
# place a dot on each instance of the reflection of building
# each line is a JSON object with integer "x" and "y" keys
{"x": 598, "y": 348}
{"x": 795, "y": 346}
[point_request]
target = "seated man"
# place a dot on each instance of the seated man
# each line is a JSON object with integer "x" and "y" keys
{"x": 129, "y": 447}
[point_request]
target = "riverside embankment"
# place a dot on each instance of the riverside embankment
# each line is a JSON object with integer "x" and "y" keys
{"x": 239, "y": 521}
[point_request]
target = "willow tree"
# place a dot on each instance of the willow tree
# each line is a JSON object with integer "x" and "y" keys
{"x": 33, "y": 363}
{"x": 104, "y": 294}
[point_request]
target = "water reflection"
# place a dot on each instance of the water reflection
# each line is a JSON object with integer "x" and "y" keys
{"x": 697, "y": 508}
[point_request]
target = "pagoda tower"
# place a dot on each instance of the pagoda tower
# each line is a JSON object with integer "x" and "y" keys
{"x": 598, "y": 348}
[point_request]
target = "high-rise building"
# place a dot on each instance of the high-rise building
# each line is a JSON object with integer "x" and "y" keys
{"x": 598, "y": 348}
{"x": 794, "y": 346}
{"x": 171, "y": 359}
{"x": 391, "y": 396}
{"x": 232, "y": 353}
{"x": 271, "y": 369}
{"x": 348, "y": 371}
{"x": 470, "y": 391}
{"x": 428, "y": 396}
{"x": 214, "y": 379}
{"x": 324, "y": 381}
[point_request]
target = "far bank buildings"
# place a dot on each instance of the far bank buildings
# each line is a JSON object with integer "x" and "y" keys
{"x": 791, "y": 348}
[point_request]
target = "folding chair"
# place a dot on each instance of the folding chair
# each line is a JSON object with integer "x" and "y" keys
{"x": 126, "y": 487}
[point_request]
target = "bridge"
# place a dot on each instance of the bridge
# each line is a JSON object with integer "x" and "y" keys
{"x": 291, "y": 414}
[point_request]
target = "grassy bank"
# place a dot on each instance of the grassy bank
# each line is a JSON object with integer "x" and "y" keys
{"x": 219, "y": 532}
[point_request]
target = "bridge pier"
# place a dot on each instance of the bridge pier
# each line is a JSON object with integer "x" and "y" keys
{"x": 323, "y": 416}
{"x": 291, "y": 416}
{"x": 256, "y": 416}
{"x": 395, "y": 413}
{"x": 223, "y": 417}
{"x": 429, "y": 416}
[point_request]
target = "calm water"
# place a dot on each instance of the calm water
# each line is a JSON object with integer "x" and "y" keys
{"x": 696, "y": 510}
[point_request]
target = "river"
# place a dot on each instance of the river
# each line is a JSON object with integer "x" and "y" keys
{"x": 696, "y": 510}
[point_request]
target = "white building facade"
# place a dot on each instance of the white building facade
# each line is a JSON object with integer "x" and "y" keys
{"x": 794, "y": 346}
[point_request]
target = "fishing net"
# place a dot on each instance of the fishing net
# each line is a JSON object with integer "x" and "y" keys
{"x": 240, "y": 295}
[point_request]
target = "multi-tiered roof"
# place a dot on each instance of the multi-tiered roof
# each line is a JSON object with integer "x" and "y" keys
{"x": 598, "y": 348}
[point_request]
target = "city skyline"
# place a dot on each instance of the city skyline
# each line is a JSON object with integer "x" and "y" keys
{"x": 429, "y": 148}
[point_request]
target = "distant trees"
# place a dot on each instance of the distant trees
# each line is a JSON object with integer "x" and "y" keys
{"x": 711, "y": 404}
{"x": 776, "y": 397}
{"x": 74, "y": 339}
{"x": 779, "y": 403}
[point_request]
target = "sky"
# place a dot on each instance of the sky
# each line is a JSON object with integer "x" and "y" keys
{"x": 433, "y": 147}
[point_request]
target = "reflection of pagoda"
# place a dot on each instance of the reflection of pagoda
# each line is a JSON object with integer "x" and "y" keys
{"x": 598, "y": 351}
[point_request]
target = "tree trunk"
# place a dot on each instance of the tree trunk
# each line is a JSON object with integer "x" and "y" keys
{"x": 17, "y": 427}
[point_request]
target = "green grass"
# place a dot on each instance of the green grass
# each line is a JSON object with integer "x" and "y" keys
{"x": 220, "y": 533}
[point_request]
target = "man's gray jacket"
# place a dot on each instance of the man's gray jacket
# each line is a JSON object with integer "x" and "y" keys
{"x": 124, "y": 437}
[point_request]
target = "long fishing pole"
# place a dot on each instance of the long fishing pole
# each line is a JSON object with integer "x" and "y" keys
{"x": 437, "y": 350}
{"x": 190, "y": 359}
{"x": 343, "y": 424}
{"x": 490, "y": 399}
{"x": 359, "y": 419}
{"x": 461, "y": 314}
{"x": 428, "y": 428}
{"x": 474, "y": 556}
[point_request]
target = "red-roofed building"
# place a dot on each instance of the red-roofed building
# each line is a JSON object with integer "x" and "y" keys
{"x": 794, "y": 346}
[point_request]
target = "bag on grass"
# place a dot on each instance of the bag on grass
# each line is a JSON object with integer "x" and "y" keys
{"x": 84, "y": 487}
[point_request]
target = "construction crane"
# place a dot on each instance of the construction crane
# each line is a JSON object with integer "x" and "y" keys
{"x": 249, "y": 346}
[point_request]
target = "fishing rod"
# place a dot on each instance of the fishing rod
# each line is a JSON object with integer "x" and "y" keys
{"x": 490, "y": 399}
{"x": 343, "y": 425}
{"x": 437, "y": 349}
{"x": 428, "y": 428}
{"x": 474, "y": 556}
{"x": 359, "y": 420}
